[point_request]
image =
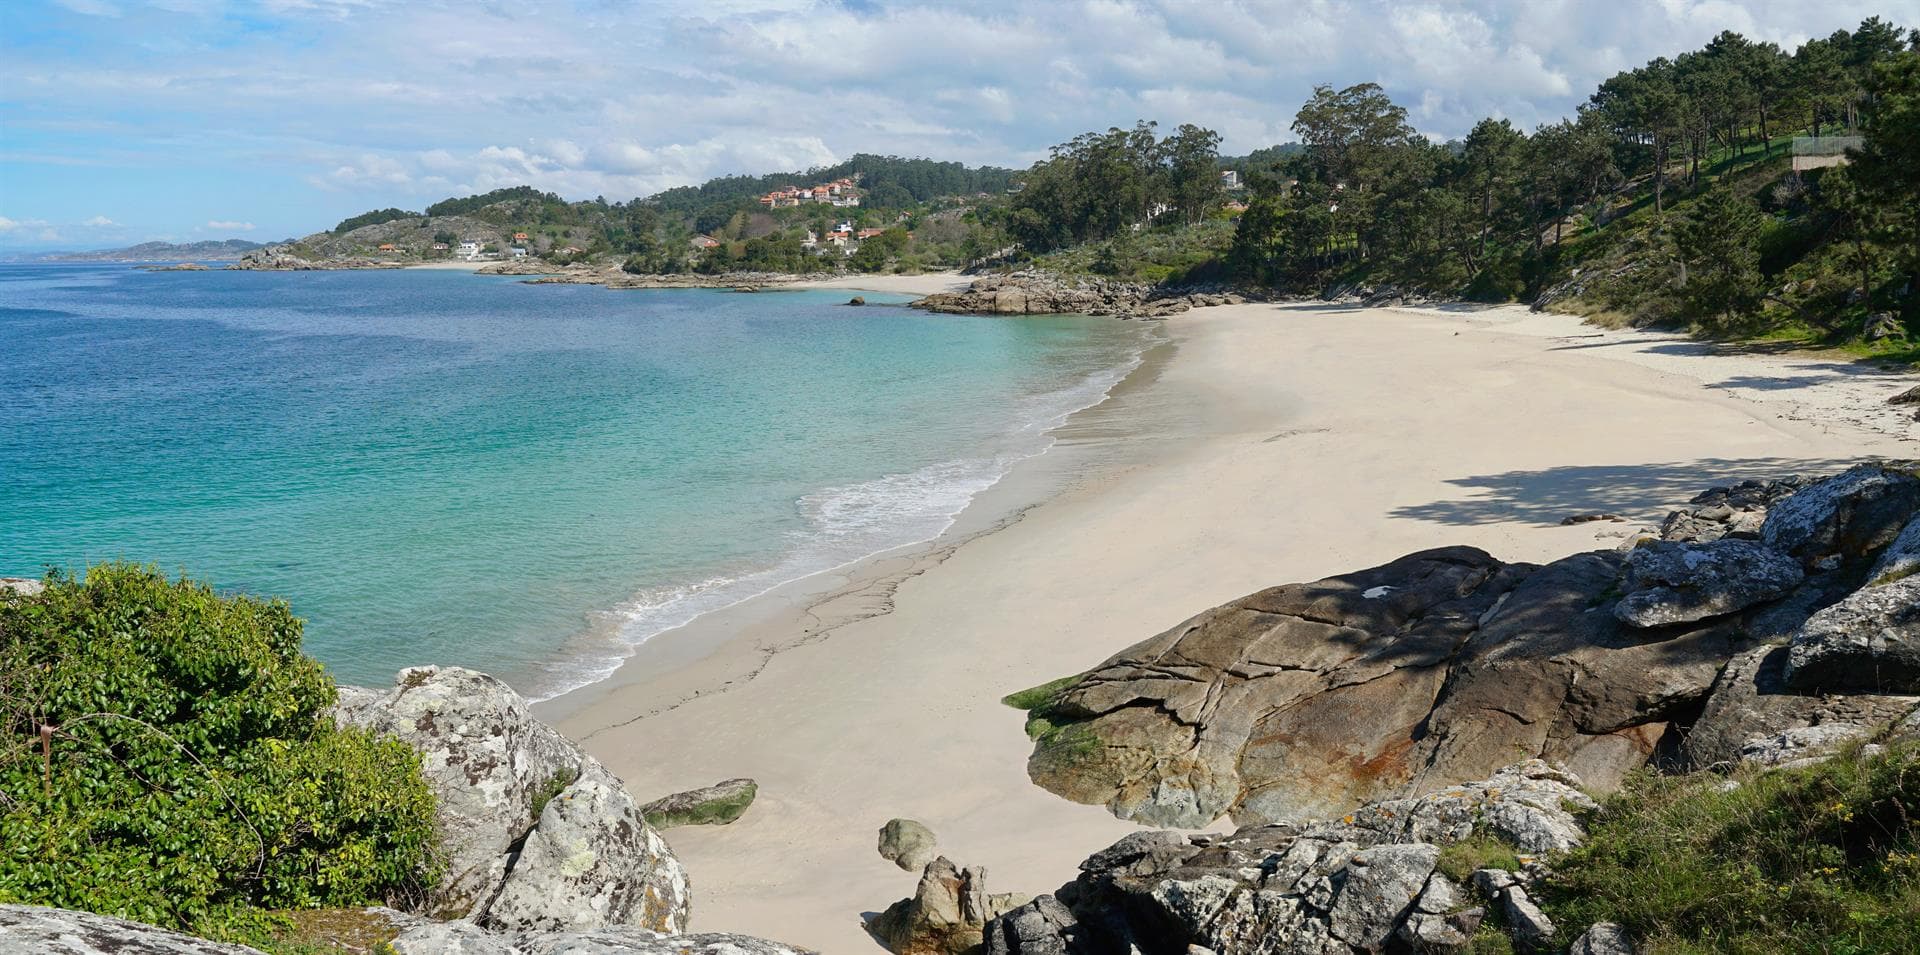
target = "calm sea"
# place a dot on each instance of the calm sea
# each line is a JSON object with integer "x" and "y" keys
{"x": 442, "y": 467}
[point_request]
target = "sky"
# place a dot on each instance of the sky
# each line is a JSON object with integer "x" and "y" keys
{"x": 125, "y": 121}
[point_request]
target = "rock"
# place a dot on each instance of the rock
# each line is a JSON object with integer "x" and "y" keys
{"x": 485, "y": 757}
{"x": 857, "y": 300}
{"x": 1362, "y": 883}
{"x": 1668, "y": 583}
{"x": 1604, "y": 938}
{"x": 38, "y": 930}
{"x": 1380, "y": 887}
{"x": 1040, "y": 927}
{"x": 1802, "y": 744}
{"x": 1751, "y": 701}
{"x": 1524, "y": 918}
{"x": 1736, "y": 510}
{"x": 715, "y": 805}
{"x": 947, "y": 914}
{"x": 592, "y": 861}
{"x": 1882, "y": 325}
{"x": 1911, "y": 396}
{"x": 1307, "y": 700}
{"x": 465, "y": 938}
{"x": 1900, "y": 559}
{"x": 1529, "y": 805}
{"x": 907, "y": 844}
{"x": 24, "y": 586}
{"x": 1869, "y": 641}
{"x": 1852, "y": 514}
{"x": 589, "y": 859}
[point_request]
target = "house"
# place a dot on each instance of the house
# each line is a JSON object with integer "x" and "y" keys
{"x": 812, "y": 241}
{"x": 518, "y": 252}
{"x": 1229, "y": 179}
{"x": 704, "y": 242}
{"x": 572, "y": 250}
{"x": 865, "y": 234}
{"x": 439, "y": 247}
{"x": 469, "y": 250}
{"x": 389, "y": 247}
{"x": 520, "y": 237}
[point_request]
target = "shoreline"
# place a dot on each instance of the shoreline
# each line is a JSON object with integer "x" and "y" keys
{"x": 874, "y": 693}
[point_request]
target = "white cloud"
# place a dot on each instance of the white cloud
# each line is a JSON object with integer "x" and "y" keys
{"x": 92, "y": 8}
{"x": 15, "y": 225}
{"x": 228, "y": 225}
{"x": 101, "y": 222}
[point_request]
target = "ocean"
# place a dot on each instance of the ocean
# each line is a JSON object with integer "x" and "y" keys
{"x": 434, "y": 466}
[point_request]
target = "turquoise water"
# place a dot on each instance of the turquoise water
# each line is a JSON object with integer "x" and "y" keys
{"x": 442, "y": 467}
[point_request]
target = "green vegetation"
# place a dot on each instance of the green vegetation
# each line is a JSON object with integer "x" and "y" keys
{"x": 1047, "y": 692}
{"x": 1102, "y": 185}
{"x": 1822, "y": 859}
{"x": 1479, "y": 851}
{"x": 375, "y": 217}
{"x": 554, "y": 786}
{"x": 1670, "y": 193}
{"x": 165, "y": 756}
{"x": 713, "y": 812}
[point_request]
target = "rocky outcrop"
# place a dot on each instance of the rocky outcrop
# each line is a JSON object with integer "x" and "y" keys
{"x": 715, "y": 805}
{"x": 286, "y": 258}
{"x": 907, "y": 844}
{"x": 947, "y": 914}
{"x": 1369, "y": 882}
{"x": 465, "y": 938}
{"x": 1306, "y": 700}
{"x": 1668, "y": 582}
{"x": 1042, "y": 293}
{"x": 25, "y": 587}
{"x": 587, "y": 859}
{"x": 1869, "y": 641}
{"x": 37, "y": 930}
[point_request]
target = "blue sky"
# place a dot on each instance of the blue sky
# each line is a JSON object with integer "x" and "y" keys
{"x": 128, "y": 120}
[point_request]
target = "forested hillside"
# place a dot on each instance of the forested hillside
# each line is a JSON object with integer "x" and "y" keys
{"x": 1669, "y": 197}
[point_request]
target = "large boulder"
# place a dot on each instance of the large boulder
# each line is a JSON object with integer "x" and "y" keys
{"x": 1737, "y": 511}
{"x": 907, "y": 843}
{"x": 1901, "y": 558}
{"x": 717, "y": 805}
{"x": 1306, "y": 700}
{"x": 1668, "y": 582}
{"x": 1752, "y": 712}
{"x": 466, "y": 938}
{"x": 1365, "y": 883}
{"x": 536, "y": 833}
{"x": 1869, "y": 642}
{"x": 38, "y": 930}
{"x": 1850, "y": 514}
{"x": 947, "y": 914}
{"x": 591, "y": 861}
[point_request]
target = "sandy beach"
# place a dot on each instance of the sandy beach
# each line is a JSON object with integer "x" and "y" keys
{"x": 1257, "y": 444}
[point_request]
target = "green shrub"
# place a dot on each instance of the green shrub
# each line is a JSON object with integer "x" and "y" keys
{"x": 1820, "y": 859}
{"x": 194, "y": 778}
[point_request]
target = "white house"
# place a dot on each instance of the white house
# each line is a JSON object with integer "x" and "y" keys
{"x": 469, "y": 250}
{"x": 518, "y": 252}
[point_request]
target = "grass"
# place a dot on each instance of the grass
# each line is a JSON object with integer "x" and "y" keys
{"x": 1479, "y": 851}
{"x": 554, "y": 786}
{"x": 1822, "y": 859}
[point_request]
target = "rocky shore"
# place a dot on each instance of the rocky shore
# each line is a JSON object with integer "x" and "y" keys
{"x": 1044, "y": 293}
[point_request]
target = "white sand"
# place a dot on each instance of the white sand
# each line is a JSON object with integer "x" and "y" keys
{"x": 1263, "y": 444}
{"x": 924, "y": 284}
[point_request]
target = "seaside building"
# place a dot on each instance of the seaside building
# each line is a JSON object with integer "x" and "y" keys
{"x": 469, "y": 250}
{"x": 1229, "y": 179}
{"x": 518, "y": 252}
{"x": 704, "y": 242}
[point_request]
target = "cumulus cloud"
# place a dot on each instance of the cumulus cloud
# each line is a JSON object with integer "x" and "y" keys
{"x": 19, "y": 225}
{"x": 101, "y": 222}
{"x": 396, "y": 104}
{"x": 229, "y": 225}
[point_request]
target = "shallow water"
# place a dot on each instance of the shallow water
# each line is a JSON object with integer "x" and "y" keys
{"x": 441, "y": 467}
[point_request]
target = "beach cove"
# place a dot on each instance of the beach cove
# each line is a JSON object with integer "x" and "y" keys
{"x": 1258, "y": 444}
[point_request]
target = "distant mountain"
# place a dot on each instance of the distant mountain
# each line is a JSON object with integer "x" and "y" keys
{"x": 211, "y": 250}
